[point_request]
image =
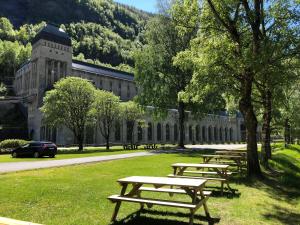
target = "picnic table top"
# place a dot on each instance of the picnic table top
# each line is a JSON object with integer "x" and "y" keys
{"x": 231, "y": 152}
{"x": 180, "y": 182}
{"x": 223, "y": 156}
{"x": 201, "y": 165}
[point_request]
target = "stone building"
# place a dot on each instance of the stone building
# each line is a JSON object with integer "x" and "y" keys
{"x": 51, "y": 60}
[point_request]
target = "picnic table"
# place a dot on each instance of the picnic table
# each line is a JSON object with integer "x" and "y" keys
{"x": 229, "y": 152}
{"x": 190, "y": 187}
{"x": 219, "y": 172}
{"x": 237, "y": 159}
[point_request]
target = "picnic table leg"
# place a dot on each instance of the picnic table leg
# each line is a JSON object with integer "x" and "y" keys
{"x": 204, "y": 204}
{"x": 118, "y": 204}
{"x": 191, "y": 222}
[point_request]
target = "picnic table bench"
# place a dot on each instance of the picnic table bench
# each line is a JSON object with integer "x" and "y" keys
{"x": 150, "y": 146}
{"x": 232, "y": 160}
{"x": 190, "y": 187}
{"x": 220, "y": 172}
{"x": 130, "y": 146}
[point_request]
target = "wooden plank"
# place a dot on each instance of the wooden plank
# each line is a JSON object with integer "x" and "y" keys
{"x": 201, "y": 165}
{"x": 205, "y": 172}
{"x": 7, "y": 221}
{"x": 115, "y": 198}
{"x": 223, "y": 156}
{"x": 193, "y": 177}
{"x": 169, "y": 190}
{"x": 163, "y": 181}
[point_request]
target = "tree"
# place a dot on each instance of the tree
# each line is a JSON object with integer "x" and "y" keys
{"x": 159, "y": 79}
{"x": 2, "y": 89}
{"x": 132, "y": 113}
{"x": 70, "y": 104}
{"x": 237, "y": 39}
{"x": 107, "y": 111}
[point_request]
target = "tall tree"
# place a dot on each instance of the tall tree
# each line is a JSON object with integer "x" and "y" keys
{"x": 70, "y": 104}
{"x": 237, "y": 40}
{"x": 132, "y": 113}
{"x": 107, "y": 111}
{"x": 160, "y": 81}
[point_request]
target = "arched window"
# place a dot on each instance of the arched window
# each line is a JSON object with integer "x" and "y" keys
{"x": 167, "y": 132}
{"x": 215, "y": 133}
{"x": 204, "y": 133}
{"x": 140, "y": 133}
{"x": 209, "y": 134}
{"x": 158, "y": 132}
{"x": 221, "y": 134}
{"x": 117, "y": 131}
{"x": 197, "y": 133}
{"x": 149, "y": 131}
{"x": 175, "y": 132}
{"x": 191, "y": 133}
{"x": 226, "y": 134}
{"x": 231, "y": 134}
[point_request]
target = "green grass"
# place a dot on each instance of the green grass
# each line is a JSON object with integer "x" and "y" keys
{"x": 72, "y": 152}
{"x": 77, "y": 195}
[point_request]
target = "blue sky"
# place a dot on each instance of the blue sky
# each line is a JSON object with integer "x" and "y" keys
{"x": 146, "y": 5}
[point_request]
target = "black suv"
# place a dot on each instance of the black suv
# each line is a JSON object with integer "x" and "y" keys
{"x": 36, "y": 149}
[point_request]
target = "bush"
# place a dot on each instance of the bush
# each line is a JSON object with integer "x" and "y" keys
{"x": 12, "y": 143}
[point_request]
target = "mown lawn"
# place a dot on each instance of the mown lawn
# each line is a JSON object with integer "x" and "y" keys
{"x": 77, "y": 195}
{"x": 72, "y": 152}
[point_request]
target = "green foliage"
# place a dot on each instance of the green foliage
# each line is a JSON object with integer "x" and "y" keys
{"x": 2, "y": 89}
{"x": 104, "y": 31}
{"x": 12, "y": 143}
{"x": 106, "y": 111}
{"x": 70, "y": 104}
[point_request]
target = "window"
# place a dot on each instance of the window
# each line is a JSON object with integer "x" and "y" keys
{"x": 197, "y": 133}
{"x": 140, "y": 133}
{"x": 120, "y": 86}
{"x": 191, "y": 133}
{"x": 215, "y": 133}
{"x": 209, "y": 134}
{"x": 167, "y": 132}
{"x": 231, "y": 134}
{"x": 175, "y": 132}
{"x": 110, "y": 86}
{"x": 203, "y": 133}
{"x": 149, "y": 131}
{"x": 101, "y": 84}
{"x": 158, "y": 132}
{"x": 226, "y": 134}
{"x": 128, "y": 91}
{"x": 117, "y": 131}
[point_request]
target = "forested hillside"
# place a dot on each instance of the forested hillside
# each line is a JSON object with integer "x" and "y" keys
{"x": 102, "y": 31}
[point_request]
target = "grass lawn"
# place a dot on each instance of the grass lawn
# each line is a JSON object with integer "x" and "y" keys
{"x": 77, "y": 195}
{"x": 69, "y": 153}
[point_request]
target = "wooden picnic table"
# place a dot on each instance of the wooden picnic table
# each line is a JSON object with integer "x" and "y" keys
{"x": 237, "y": 159}
{"x": 190, "y": 187}
{"x": 231, "y": 153}
{"x": 220, "y": 172}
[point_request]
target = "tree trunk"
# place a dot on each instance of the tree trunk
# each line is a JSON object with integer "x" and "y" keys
{"x": 181, "y": 108}
{"x": 80, "y": 142}
{"x": 266, "y": 153}
{"x": 107, "y": 142}
{"x": 287, "y": 133}
{"x": 247, "y": 110}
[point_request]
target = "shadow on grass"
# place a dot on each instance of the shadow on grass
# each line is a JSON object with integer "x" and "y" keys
{"x": 137, "y": 219}
{"x": 283, "y": 215}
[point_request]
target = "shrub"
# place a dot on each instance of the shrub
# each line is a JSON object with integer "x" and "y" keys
{"x": 12, "y": 143}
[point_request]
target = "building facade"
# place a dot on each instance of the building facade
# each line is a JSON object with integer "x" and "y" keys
{"x": 51, "y": 60}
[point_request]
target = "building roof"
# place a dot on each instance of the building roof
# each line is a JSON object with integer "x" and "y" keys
{"x": 53, "y": 33}
{"x": 101, "y": 70}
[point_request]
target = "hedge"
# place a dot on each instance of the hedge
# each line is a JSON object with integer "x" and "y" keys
{"x": 11, "y": 144}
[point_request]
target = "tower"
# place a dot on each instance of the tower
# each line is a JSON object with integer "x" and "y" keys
{"x": 51, "y": 60}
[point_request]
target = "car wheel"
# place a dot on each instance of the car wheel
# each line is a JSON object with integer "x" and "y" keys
{"x": 52, "y": 156}
{"x": 36, "y": 155}
{"x": 14, "y": 155}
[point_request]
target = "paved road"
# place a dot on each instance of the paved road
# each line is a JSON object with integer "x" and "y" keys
{"x": 20, "y": 166}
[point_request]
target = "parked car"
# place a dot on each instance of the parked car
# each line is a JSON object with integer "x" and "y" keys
{"x": 36, "y": 149}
